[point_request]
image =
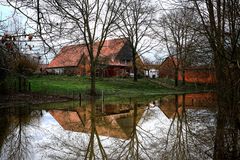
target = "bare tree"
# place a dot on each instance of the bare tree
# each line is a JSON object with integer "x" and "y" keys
{"x": 135, "y": 20}
{"x": 178, "y": 32}
{"x": 190, "y": 133}
{"x": 17, "y": 141}
{"x": 88, "y": 22}
{"x": 90, "y": 152}
{"x": 15, "y": 52}
{"x": 222, "y": 28}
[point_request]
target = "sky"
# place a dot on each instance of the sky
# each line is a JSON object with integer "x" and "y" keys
{"x": 6, "y": 15}
{"x": 7, "y": 12}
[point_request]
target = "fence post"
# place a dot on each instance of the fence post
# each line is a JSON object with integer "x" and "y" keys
{"x": 80, "y": 99}
{"x": 102, "y": 101}
{"x": 102, "y": 96}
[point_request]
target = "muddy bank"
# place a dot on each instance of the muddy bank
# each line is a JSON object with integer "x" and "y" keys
{"x": 30, "y": 98}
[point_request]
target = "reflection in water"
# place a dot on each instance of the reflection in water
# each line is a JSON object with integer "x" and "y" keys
{"x": 173, "y": 127}
{"x": 14, "y": 136}
{"x": 191, "y": 131}
{"x": 118, "y": 124}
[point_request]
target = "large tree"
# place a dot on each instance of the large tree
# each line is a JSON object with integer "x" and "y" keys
{"x": 221, "y": 21}
{"x": 178, "y": 29}
{"x": 134, "y": 24}
{"x": 88, "y": 22}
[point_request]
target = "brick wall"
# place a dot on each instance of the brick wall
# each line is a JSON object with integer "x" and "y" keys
{"x": 199, "y": 76}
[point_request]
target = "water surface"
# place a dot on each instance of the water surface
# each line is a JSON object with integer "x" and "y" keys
{"x": 171, "y": 127}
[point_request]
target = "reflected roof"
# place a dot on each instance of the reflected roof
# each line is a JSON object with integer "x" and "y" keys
{"x": 118, "y": 125}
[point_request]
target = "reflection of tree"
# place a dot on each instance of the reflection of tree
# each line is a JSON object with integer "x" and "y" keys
{"x": 138, "y": 146}
{"x": 138, "y": 133}
{"x": 130, "y": 140}
{"x": 90, "y": 152}
{"x": 4, "y": 128}
{"x": 187, "y": 137}
{"x": 84, "y": 145}
{"x": 131, "y": 148}
{"x": 16, "y": 144}
{"x": 179, "y": 148}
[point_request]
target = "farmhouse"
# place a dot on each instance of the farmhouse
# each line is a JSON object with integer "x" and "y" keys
{"x": 115, "y": 59}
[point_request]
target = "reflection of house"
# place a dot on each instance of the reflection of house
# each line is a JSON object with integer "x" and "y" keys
{"x": 196, "y": 74}
{"x": 117, "y": 124}
{"x": 114, "y": 60}
{"x": 170, "y": 105}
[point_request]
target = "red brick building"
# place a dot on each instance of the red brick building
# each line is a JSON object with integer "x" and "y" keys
{"x": 199, "y": 74}
{"x": 193, "y": 74}
{"x": 115, "y": 59}
{"x": 168, "y": 67}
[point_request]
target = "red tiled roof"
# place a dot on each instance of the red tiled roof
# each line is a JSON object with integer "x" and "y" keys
{"x": 112, "y": 47}
{"x": 173, "y": 59}
{"x": 71, "y": 55}
{"x": 68, "y": 56}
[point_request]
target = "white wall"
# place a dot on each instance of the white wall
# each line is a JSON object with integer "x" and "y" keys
{"x": 152, "y": 73}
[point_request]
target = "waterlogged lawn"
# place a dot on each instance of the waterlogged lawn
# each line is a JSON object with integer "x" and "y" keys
{"x": 62, "y": 85}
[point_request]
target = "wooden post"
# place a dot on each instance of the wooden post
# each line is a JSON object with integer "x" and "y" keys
{"x": 102, "y": 100}
{"x": 80, "y": 99}
{"x": 102, "y": 96}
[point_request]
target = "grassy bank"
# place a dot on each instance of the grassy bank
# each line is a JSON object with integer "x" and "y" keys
{"x": 66, "y": 85}
{"x": 113, "y": 88}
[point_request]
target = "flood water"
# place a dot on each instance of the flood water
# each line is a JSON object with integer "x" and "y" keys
{"x": 171, "y": 127}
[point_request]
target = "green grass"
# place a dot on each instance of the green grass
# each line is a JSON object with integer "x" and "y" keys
{"x": 65, "y": 85}
{"x": 114, "y": 89}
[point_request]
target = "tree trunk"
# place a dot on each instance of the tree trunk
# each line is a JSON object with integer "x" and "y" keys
{"x": 93, "y": 80}
{"x": 134, "y": 67}
{"x": 135, "y": 73}
{"x": 176, "y": 77}
{"x": 183, "y": 77}
{"x": 227, "y": 137}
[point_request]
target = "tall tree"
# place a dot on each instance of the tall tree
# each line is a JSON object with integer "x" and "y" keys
{"x": 88, "y": 22}
{"x": 221, "y": 21}
{"x": 134, "y": 24}
{"x": 178, "y": 32}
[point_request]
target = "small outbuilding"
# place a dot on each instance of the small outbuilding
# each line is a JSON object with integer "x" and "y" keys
{"x": 152, "y": 73}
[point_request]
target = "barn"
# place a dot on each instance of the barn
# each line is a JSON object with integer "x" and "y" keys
{"x": 115, "y": 59}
